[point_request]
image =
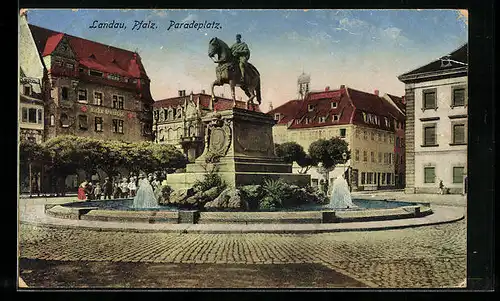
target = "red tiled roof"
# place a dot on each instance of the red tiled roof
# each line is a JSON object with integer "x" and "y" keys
{"x": 108, "y": 59}
{"x": 221, "y": 104}
{"x": 287, "y": 110}
{"x": 398, "y": 101}
{"x": 351, "y": 104}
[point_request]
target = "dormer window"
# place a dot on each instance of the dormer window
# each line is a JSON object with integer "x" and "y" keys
{"x": 386, "y": 121}
{"x": 70, "y": 66}
{"x": 92, "y": 56}
{"x": 114, "y": 77}
{"x": 322, "y": 119}
{"x": 95, "y": 73}
{"x": 310, "y": 107}
{"x": 334, "y": 105}
{"x": 335, "y": 117}
{"x": 277, "y": 116}
{"x": 307, "y": 120}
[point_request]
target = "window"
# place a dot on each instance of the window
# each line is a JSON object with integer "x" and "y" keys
{"x": 342, "y": 133}
{"x": 70, "y": 66}
{"x": 120, "y": 102}
{"x": 397, "y": 142}
{"x": 356, "y": 157}
{"x": 64, "y": 120}
{"x": 64, "y": 93}
{"x": 117, "y": 126}
{"x": 277, "y": 116}
{"x": 52, "y": 120}
{"x": 458, "y": 97}
{"x": 430, "y": 135}
{"x": 81, "y": 70}
{"x": 372, "y": 156}
{"x": 429, "y": 99}
{"x": 397, "y": 158}
{"x": 57, "y": 63}
{"x": 98, "y": 98}
{"x": 378, "y": 137}
{"x": 98, "y": 124}
{"x": 363, "y": 178}
{"x": 379, "y": 157}
{"x": 389, "y": 179}
{"x": 370, "y": 178}
{"x": 372, "y": 135}
{"x": 322, "y": 119}
{"x": 365, "y": 156}
{"x": 459, "y": 134}
{"x": 458, "y": 173}
{"x": 82, "y": 95}
{"x": 429, "y": 175}
{"x": 385, "y": 137}
{"x": 383, "y": 178}
{"x": 32, "y": 115}
{"x": 365, "y": 135}
{"x": 391, "y": 138}
{"x": 389, "y": 156}
{"x": 40, "y": 117}
{"x": 335, "y": 117}
{"x": 82, "y": 122}
{"x": 95, "y": 73}
{"x": 115, "y": 102}
{"x": 24, "y": 115}
{"x": 27, "y": 90}
{"x": 114, "y": 77}
{"x": 401, "y": 159}
{"x": 310, "y": 107}
{"x": 307, "y": 120}
{"x": 334, "y": 105}
{"x": 385, "y": 158}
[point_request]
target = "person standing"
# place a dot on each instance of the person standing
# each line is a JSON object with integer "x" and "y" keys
{"x": 124, "y": 188}
{"x": 81, "y": 191}
{"x": 132, "y": 187}
{"x": 98, "y": 191}
{"x": 107, "y": 188}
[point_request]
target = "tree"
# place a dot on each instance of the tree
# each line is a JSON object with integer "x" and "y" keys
{"x": 329, "y": 152}
{"x": 31, "y": 153}
{"x": 64, "y": 157}
{"x": 294, "y": 152}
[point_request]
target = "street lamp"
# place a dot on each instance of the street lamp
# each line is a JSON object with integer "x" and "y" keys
{"x": 344, "y": 156}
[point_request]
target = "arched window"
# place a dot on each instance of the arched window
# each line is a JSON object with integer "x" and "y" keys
{"x": 64, "y": 120}
{"x": 169, "y": 134}
{"x": 52, "y": 120}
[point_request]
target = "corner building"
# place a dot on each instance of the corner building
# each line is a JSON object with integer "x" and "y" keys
{"x": 436, "y": 125}
{"x": 95, "y": 90}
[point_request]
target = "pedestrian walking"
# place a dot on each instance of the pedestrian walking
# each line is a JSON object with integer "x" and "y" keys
{"x": 107, "y": 188}
{"x": 117, "y": 192}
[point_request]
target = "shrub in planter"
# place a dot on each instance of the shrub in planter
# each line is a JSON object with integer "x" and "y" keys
{"x": 252, "y": 194}
{"x": 210, "y": 180}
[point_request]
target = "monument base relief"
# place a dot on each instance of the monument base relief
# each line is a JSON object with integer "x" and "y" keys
{"x": 239, "y": 147}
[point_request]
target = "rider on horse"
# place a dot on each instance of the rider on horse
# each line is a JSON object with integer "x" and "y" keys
{"x": 241, "y": 52}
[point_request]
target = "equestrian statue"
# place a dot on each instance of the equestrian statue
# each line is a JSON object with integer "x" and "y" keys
{"x": 233, "y": 69}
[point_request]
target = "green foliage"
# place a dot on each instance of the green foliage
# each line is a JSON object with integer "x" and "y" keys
{"x": 252, "y": 194}
{"x": 329, "y": 152}
{"x": 210, "y": 180}
{"x": 166, "y": 191}
{"x": 290, "y": 151}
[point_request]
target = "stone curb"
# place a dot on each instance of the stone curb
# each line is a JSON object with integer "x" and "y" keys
{"x": 262, "y": 228}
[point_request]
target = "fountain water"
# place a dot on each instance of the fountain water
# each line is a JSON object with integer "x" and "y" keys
{"x": 145, "y": 197}
{"x": 341, "y": 196}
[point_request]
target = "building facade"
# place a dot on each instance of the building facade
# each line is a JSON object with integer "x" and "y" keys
{"x": 365, "y": 120}
{"x": 86, "y": 89}
{"x": 399, "y": 148}
{"x": 177, "y": 120}
{"x": 436, "y": 127}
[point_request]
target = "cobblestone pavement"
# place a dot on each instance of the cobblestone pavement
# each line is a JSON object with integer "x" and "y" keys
{"x": 424, "y": 257}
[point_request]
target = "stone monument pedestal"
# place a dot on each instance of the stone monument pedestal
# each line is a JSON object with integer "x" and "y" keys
{"x": 239, "y": 147}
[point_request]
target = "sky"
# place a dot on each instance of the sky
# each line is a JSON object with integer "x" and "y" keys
{"x": 362, "y": 49}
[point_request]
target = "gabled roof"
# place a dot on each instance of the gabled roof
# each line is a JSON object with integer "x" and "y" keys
{"x": 454, "y": 62}
{"x": 204, "y": 99}
{"x": 398, "y": 101}
{"x": 108, "y": 59}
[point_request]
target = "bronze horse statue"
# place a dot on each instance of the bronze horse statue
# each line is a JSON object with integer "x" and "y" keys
{"x": 228, "y": 72}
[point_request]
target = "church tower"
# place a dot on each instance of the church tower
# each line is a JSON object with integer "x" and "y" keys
{"x": 303, "y": 85}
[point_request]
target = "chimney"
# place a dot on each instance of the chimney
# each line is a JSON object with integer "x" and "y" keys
{"x": 222, "y": 95}
{"x": 202, "y": 91}
{"x": 327, "y": 88}
{"x": 342, "y": 86}
{"x": 376, "y": 92}
{"x": 180, "y": 92}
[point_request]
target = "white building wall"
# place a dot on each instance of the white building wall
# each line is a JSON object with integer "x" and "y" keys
{"x": 29, "y": 59}
{"x": 444, "y": 156}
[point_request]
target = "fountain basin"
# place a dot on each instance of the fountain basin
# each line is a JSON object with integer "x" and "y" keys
{"x": 112, "y": 210}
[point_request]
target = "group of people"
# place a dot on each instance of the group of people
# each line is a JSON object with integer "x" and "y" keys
{"x": 93, "y": 190}
{"x": 116, "y": 189}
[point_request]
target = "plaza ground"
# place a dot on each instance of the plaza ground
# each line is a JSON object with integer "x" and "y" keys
{"x": 423, "y": 257}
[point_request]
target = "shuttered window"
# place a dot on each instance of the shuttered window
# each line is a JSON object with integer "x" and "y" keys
{"x": 459, "y": 133}
{"x": 430, "y": 135}
{"x": 429, "y": 175}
